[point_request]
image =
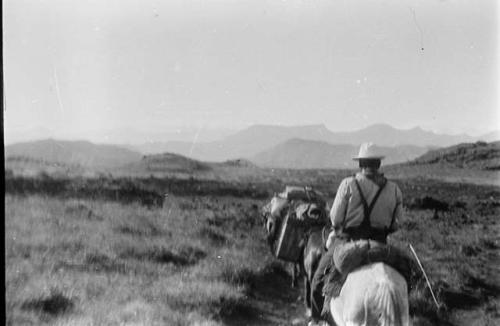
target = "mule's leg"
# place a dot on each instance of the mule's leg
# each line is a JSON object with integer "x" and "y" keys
{"x": 316, "y": 283}
{"x": 295, "y": 275}
{"x": 307, "y": 294}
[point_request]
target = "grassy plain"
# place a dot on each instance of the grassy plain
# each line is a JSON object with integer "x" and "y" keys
{"x": 102, "y": 263}
{"x": 201, "y": 257}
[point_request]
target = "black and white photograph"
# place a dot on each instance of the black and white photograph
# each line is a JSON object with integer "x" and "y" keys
{"x": 251, "y": 162}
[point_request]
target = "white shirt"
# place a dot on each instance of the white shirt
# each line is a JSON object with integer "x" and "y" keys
{"x": 347, "y": 210}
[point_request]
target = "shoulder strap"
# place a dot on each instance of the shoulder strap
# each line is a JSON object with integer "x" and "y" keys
{"x": 393, "y": 218}
{"x": 368, "y": 209}
{"x": 372, "y": 204}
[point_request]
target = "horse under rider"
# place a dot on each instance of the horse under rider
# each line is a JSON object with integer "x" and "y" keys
{"x": 366, "y": 206}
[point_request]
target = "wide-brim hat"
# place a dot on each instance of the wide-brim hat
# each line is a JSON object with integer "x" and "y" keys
{"x": 369, "y": 151}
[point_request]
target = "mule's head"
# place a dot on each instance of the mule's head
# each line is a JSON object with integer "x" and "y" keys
{"x": 272, "y": 214}
{"x": 271, "y": 225}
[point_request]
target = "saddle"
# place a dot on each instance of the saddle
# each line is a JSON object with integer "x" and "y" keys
{"x": 355, "y": 254}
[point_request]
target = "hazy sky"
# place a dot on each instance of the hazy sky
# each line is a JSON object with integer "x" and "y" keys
{"x": 80, "y": 66}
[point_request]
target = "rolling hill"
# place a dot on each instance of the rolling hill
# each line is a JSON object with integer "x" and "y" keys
{"x": 479, "y": 155}
{"x": 82, "y": 153}
{"x": 310, "y": 154}
{"x": 168, "y": 162}
{"x": 57, "y": 157}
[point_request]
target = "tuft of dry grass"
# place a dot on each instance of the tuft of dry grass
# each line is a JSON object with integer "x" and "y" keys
{"x": 56, "y": 303}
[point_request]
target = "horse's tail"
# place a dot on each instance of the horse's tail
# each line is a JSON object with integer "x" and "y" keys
{"x": 385, "y": 305}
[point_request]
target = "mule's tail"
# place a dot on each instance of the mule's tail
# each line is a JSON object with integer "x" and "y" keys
{"x": 385, "y": 306}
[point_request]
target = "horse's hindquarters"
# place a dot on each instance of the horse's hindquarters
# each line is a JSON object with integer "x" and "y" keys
{"x": 372, "y": 295}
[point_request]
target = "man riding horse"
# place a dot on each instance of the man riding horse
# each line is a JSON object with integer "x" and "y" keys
{"x": 366, "y": 207}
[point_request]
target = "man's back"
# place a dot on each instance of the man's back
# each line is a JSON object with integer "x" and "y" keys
{"x": 348, "y": 211}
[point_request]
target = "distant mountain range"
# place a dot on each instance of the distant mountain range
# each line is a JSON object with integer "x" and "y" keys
{"x": 126, "y": 135}
{"x": 309, "y": 154}
{"x": 311, "y": 146}
{"x": 255, "y": 139}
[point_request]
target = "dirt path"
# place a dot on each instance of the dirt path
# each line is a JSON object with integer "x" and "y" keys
{"x": 271, "y": 302}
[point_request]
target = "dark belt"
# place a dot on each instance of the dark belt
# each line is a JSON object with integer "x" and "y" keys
{"x": 357, "y": 233}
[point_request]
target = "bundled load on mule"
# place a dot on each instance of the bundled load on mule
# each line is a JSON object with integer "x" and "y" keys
{"x": 363, "y": 252}
{"x": 356, "y": 254}
{"x": 291, "y": 214}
